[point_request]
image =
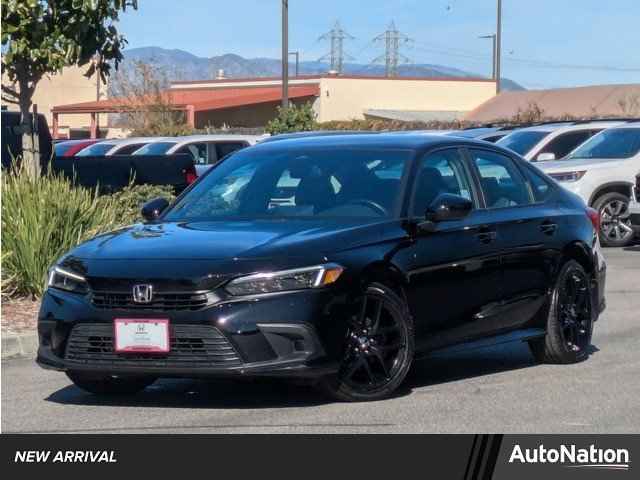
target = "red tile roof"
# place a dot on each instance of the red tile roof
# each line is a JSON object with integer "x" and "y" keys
{"x": 200, "y": 99}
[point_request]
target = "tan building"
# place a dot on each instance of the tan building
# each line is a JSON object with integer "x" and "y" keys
{"x": 68, "y": 86}
{"x": 253, "y": 102}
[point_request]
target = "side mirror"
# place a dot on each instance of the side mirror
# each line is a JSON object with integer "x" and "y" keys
{"x": 446, "y": 207}
{"x": 546, "y": 157}
{"x": 154, "y": 208}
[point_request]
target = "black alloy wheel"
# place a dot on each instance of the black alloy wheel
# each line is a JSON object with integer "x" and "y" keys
{"x": 378, "y": 348}
{"x": 569, "y": 319}
{"x": 574, "y": 310}
{"x": 615, "y": 220}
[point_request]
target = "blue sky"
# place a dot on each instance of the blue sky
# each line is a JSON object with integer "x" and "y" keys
{"x": 545, "y": 42}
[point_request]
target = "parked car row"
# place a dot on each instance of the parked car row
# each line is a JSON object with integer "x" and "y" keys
{"x": 206, "y": 150}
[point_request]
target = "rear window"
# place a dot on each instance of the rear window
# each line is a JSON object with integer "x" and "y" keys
{"x": 612, "y": 143}
{"x": 95, "y": 149}
{"x": 155, "y": 148}
{"x": 522, "y": 142}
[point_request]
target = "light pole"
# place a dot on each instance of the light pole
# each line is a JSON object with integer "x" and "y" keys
{"x": 285, "y": 53}
{"x": 498, "y": 44}
{"x": 493, "y": 60}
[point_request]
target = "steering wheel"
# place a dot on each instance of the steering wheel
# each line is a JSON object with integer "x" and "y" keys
{"x": 376, "y": 207}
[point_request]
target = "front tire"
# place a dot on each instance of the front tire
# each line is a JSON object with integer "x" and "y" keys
{"x": 101, "y": 384}
{"x": 569, "y": 320}
{"x": 378, "y": 351}
{"x": 615, "y": 226}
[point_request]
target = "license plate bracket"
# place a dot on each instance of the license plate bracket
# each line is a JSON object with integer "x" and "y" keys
{"x": 141, "y": 335}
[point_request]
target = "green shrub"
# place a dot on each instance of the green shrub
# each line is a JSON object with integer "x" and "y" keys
{"x": 43, "y": 218}
{"x": 295, "y": 118}
{"x": 127, "y": 202}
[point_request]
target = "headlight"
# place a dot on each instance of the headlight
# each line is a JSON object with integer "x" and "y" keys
{"x": 567, "y": 176}
{"x": 66, "y": 280}
{"x": 286, "y": 280}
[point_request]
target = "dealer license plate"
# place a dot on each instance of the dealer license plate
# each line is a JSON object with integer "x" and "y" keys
{"x": 141, "y": 335}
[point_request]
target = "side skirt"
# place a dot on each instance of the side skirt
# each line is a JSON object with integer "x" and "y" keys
{"x": 514, "y": 336}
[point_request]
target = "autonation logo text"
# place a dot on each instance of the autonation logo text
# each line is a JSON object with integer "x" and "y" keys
{"x": 573, "y": 457}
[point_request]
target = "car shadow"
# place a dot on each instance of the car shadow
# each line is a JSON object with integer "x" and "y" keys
{"x": 278, "y": 393}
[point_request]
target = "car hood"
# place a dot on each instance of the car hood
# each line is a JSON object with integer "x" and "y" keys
{"x": 225, "y": 240}
{"x": 579, "y": 164}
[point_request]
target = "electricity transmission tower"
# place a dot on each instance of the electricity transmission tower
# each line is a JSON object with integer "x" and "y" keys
{"x": 393, "y": 40}
{"x": 337, "y": 55}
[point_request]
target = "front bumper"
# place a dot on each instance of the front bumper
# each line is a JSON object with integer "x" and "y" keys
{"x": 295, "y": 334}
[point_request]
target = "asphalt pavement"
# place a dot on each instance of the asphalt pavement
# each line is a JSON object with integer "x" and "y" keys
{"x": 498, "y": 389}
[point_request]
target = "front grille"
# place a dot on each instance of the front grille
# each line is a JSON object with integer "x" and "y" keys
{"x": 161, "y": 301}
{"x": 191, "y": 346}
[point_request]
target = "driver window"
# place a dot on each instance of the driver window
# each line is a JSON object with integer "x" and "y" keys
{"x": 439, "y": 172}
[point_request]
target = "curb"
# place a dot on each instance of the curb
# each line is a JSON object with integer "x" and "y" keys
{"x": 24, "y": 345}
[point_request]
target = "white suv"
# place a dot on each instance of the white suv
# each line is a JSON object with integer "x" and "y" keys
{"x": 634, "y": 206}
{"x": 552, "y": 141}
{"x": 601, "y": 171}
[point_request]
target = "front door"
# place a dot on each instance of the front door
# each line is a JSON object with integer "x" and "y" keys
{"x": 455, "y": 275}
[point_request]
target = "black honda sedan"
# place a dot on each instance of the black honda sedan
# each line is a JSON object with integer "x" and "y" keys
{"x": 336, "y": 259}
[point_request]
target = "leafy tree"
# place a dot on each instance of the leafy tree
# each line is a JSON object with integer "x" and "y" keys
{"x": 295, "y": 118}
{"x": 40, "y": 37}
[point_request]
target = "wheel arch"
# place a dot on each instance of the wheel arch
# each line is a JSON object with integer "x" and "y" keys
{"x": 579, "y": 252}
{"x": 624, "y": 188}
{"x": 388, "y": 274}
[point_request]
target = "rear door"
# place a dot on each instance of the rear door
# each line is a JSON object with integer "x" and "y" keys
{"x": 528, "y": 223}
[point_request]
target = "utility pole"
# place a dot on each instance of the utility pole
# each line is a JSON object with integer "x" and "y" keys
{"x": 336, "y": 56}
{"x": 297, "y": 54}
{"x": 493, "y": 57}
{"x": 285, "y": 53}
{"x": 498, "y": 45}
{"x": 392, "y": 57}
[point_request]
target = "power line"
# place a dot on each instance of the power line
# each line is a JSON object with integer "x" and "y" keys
{"x": 469, "y": 54}
{"x": 337, "y": 55}
{"x": 393, "y": 39}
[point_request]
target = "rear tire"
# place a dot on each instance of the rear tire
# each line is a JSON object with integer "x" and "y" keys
{"x": 378, "y": 350}
{"x": 615, "y": 227}
{"x": 569, "y": 320}
{"x": 101, "y": 384}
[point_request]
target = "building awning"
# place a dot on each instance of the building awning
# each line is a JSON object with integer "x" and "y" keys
{"x": 198, "y": 100}
{"x": 415, "y": 115}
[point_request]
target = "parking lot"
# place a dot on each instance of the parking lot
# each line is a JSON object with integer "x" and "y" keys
{"x": 496, "y": 389}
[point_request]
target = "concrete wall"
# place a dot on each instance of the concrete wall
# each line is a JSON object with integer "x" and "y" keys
{"x": 69, "y": 86}
{"x": 348, "y": 98}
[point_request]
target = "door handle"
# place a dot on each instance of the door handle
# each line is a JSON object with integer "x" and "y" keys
{"x": 486, "y": 236}
{"x": 548, "y": 227}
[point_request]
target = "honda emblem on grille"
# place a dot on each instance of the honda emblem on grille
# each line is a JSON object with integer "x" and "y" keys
{"x": 142, "y": 293}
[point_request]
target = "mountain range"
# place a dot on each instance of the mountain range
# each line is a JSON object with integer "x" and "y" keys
{"x": 182, "y": 65}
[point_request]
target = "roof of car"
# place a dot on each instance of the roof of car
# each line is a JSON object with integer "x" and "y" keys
{"x": 552, "y": 127}
{"x": 412, "y": 141}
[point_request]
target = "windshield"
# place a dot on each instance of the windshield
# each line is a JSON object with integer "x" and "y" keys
{"x": 95, "y": 149}
{"x": 612, "y": 143}
{"x": 298, "y": 183}
{"x": 156, "y": 148}
{"x": 522, "y": 142}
